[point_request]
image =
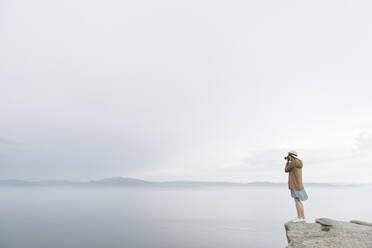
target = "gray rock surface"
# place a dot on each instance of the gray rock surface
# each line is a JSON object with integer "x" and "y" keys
{"x": 328, "y": 233}
{"x": 361, "y": 222}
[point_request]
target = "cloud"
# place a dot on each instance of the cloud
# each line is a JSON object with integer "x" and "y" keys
{"x": 6, "y": 141}
{"x": 363, "y": 141}
{"x": 123, "y": 90}
{"x": 270, "y": 158}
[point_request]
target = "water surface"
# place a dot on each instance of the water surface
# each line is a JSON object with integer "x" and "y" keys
{"x": 61, "y": 217}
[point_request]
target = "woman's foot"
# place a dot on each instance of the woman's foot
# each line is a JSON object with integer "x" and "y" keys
{"x": 295, "y": 219}
{"x": 298, "y": 220}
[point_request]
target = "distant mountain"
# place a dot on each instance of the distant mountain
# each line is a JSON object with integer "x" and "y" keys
{"x": 218, "y": 184}
{"x": 13, "y": 182}
{"x": 133, "y": 182}
{"x": 120, "y": 181}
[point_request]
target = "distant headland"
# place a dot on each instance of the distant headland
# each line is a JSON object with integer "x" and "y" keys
{"x": 133, "y": 182}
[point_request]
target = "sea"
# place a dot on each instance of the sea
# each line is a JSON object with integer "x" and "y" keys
{"x": 180, "y": 217}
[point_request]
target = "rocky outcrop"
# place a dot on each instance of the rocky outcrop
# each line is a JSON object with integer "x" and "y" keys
{"x": 328, "y": 233}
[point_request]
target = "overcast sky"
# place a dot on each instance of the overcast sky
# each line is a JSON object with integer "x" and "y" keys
{"x": 185, "y": 90}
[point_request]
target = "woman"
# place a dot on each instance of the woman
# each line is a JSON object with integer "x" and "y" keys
{"x": 294, "y": 170}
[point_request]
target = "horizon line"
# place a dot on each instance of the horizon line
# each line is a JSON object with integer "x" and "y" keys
{"x": 169, "y": 181}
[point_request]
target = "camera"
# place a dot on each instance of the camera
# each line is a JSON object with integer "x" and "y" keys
{"x": 287, "y": 158}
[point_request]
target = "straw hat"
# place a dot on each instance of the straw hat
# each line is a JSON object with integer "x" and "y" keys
{"x": 293, "y": 153}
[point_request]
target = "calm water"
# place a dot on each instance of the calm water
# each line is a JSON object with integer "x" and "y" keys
{"x": 151, "y": 218}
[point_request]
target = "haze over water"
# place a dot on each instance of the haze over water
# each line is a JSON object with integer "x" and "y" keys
{"x": 212, "y": 217}
{"x": 167, "y": 90}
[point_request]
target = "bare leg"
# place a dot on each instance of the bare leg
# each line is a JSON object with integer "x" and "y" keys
{"x": 299, "y": 208}
{"x": 302, "y": 211}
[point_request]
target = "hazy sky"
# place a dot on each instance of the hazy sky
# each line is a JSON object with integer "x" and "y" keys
{"x": 174, "y": 90}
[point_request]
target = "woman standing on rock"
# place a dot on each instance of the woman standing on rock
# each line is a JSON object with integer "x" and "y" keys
{"x": 294, "y": 169}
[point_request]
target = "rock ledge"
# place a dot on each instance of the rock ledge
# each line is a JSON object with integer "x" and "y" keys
{"x": 328, "y": 233}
